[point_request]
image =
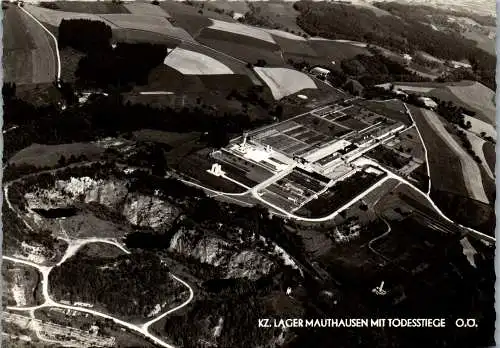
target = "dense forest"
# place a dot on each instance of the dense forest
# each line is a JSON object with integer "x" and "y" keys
{"x": 84, "y": 35}
{"x": 404, "y": 35}
{"x": 123, "y": 66}
{"x": 105, "y": 64}
{"x": 128, "y": 285}
{"x": 105, "y": 116}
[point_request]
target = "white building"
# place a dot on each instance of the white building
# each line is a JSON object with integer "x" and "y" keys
{"x": 428, "y": 102}
{"x": 454, "y": 64}
{"x": 320, "y": 72}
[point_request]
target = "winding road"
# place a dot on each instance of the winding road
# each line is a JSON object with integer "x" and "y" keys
{"x": 253, "y": 192}
{"x": 49, "y": 302}
{"x": 73, "y": 246}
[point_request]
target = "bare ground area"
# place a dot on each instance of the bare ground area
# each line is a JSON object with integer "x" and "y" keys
{"x": 28, "y": 55}
{"x": 470, "y": 170}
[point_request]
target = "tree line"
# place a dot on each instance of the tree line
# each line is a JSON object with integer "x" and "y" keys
{"x": 407, "y": 35}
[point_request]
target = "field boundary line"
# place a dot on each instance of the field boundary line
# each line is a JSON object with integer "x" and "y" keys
{"x": 55, "y": 42}
{"x": 427, "y": 164}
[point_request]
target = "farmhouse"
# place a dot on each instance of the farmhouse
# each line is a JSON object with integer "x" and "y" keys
{"x": 456, "y": 65}
{"x": 320, "y": 72}
{"x": 428, "y": 102}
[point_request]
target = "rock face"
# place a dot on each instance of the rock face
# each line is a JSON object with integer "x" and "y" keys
{"x": 142, "y": 210}
{"x": 138, "y": 209}
{"x": 223, "y": 254}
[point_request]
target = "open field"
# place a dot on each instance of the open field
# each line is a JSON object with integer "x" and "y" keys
{"x": 97, "y": 7}
{"x": 477, "y": 96}
{"x": 478, "y": 146}
{"x": 293, "y": 46}
{"x": 243, "y": 30}
{"x": 243, "y": 51}
{"x": 193, "y": 63}
{"x": 192, "y": 23}
{"x": 470, "y": 169}
{"x": 478, "y": 126}
{"x": 336, "y": 51}
{"x": 285, "y": 35}
{"x": 239, "y": 38}
{"x": 140, "y": 36}
{"x": 153, "y": 24}
{"x": 179, "y": 8}
{"x": 236, "y": 65}
{"x": 147, "y": 23}
{"x": 146, "y": 9}
{"x": 236, "y": 6}
{"x": 281, "y": 13}
{"x": 445, "y": 167}
{"x": 18, "y": 46}
{"x": 54, "y": 17}
{"x": 283, "y": 81}
{"x": 28, "y": 53}
{"x": 468, "y": 94}
{"x": 48, "y": 155}
{"x": 483, "y": 41}
{"x": 490, "y": 155}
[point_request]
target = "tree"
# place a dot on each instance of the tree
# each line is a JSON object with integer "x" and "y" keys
{"x": 62, "y": 161}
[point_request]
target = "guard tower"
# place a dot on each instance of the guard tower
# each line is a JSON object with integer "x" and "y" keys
{"x": 380, "y": 290}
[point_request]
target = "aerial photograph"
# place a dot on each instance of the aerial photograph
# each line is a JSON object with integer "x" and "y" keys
{"x": 248, "y": 174}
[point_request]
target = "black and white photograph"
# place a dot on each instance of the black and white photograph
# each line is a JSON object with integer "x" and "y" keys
{"x": 248, "y": 174}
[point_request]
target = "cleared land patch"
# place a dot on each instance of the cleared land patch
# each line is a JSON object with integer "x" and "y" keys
{"x": 478, "y": 146}
{"x": 478, "y": 126}
{"x": 445, "y": 167}
{"x": 285, "y": 34}
{"x": 281, "y": 13}
{"x": 54, "y": 17}
{"x": 470, "y": 169}
{"x": 236, "y": 6}
{"x": 17, "y": 47}
{"x": 241, "y": 29}
{"x": 236, "y": 65}
{"x": 490, "y": 155}
{"x": 193, "y": 63}
{"x": 49, "y": 155}
{"x": 145, "y": 9}
{"x": 158, "y": 25}
{"x": 192, "y": 23}
{"x": 283, "y": 81}
{"x": 243, "y": 51}
{"x": 97, "y": 7}
{"x": 28, "y": 53}
{"x": 477, "y": 96}
{"x": 141, "y": 36}
{"x": 337, "y": 51}
{"x": 292, "y": 46}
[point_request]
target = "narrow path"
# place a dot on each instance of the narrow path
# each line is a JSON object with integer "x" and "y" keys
{"x": 45, "y": 270}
